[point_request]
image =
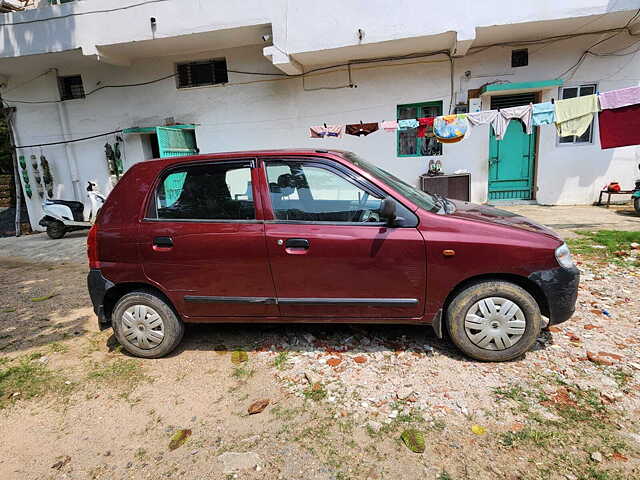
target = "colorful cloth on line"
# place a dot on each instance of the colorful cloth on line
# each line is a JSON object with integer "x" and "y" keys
{"x": 619, "y": 98}
{"x": 619, "y": 127}
{"x": 574, "y": 115}
{"x": 329, "y": 131}
{"x": 425, "y": 127}
{"x": 408, "y": 123}
{"x": 543, "y": 114}
{"x": 450, "y": 128}
{"x": 389, "y": 125}
{"x": 505, "y": 115}
{"x": 361, "y": 129}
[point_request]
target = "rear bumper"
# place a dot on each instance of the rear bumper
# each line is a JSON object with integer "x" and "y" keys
{"x": 98, "y": 286}
{"x": 560, "y": 287}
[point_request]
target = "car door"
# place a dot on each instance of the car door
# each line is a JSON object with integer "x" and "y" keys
{"x": 202, "y": 241}
{"x": 330, "y": 253}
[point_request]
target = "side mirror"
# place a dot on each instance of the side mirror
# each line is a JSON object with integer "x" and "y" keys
{"x": 388, "y": 211}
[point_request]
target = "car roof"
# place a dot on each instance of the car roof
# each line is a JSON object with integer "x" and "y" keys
{"x": 250, "y": 153}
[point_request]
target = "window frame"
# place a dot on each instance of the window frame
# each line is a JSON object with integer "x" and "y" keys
{"x": 348, "y": 175}
{"x": 151, "y": 203}
{"x": 62, "y": 87}
{"x": 434, "y": 103}
{"x": 573, "y": 143}
{"x": 201, "y": 62}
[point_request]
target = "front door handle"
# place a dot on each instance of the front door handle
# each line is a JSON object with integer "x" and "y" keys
{"x": 162, "y": 244}
{"x": 297, "y": 243}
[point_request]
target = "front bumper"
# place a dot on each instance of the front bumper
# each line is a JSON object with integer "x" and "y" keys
{"x": 560, "y": 287}
{"x": 98, "y": 286}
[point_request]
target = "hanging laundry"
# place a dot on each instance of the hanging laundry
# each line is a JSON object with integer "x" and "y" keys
{"x": 574, "y": 115}
{"x": 450, "y": 128}
{"x": 505, "y": 115}
{"x": 425, "y": 127}
{"x": 619, "y": 98}
{"x": 409, "y": 123}
{"x": 482, "y": 118}
{"x": 361, "y": 129}
{"x": 388, "y": 125}
{"x": 619, "y": 127}
{"x": 543, "y": 114}
{"x": 322, "y": 131}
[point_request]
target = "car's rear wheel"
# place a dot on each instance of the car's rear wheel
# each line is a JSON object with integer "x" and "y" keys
{"x": 56, "y": 230}
{"x": 494, "y": 321}
{"x": 636, "y": 204}
{"x": 146, "y": 325}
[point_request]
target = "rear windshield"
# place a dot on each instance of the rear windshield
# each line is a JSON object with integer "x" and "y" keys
{"x": 422, "y": 199}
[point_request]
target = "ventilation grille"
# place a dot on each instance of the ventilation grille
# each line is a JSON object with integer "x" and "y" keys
{"x": 505, "y": 101}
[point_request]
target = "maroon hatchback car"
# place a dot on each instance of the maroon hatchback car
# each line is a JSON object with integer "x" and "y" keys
{"x": 317, "y": 236}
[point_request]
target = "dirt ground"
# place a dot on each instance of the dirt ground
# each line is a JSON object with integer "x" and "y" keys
{"x": 74, "y": 406}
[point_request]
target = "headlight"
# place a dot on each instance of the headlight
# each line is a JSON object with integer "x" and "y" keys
{"x": 563, "y": 255}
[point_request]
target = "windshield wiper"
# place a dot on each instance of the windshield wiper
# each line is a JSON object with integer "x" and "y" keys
{"x": 440, "y": 201}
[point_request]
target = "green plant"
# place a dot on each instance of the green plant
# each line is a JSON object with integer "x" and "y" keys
{"x": 605, "y": 245}
{"x": 281, "y": 359}
{"x": 28, "y": 379}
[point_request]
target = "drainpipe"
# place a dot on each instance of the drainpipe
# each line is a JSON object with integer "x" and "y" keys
{"x": 72, "y": 161}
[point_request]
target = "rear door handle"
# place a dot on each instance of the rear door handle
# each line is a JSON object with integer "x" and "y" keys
{"x": 162, "y": 243}
{"x": 297, "y": 243}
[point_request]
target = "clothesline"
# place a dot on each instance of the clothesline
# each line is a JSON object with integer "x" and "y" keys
{"x": 618, "y": 114}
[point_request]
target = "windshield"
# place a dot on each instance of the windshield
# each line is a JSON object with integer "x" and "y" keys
{"x": 422, "y": 199}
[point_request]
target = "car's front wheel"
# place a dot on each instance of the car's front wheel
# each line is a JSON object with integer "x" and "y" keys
{"x": 494, "y": 321}
{"x": 146, "y": 325}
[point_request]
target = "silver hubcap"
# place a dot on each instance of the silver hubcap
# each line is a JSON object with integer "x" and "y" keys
{"x": 495, "y": 323}
{"x": 143, "y": 327}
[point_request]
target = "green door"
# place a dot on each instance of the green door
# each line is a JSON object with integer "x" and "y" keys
{"x": 511, "y": 163}
{"x": 175, "y": 142}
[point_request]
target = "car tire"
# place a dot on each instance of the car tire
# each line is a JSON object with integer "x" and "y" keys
{"x": 56, "y": 230}
{"x": 636, "y": 204}
{"x": 478, "y": 328}
{"x": 146, "y": 325}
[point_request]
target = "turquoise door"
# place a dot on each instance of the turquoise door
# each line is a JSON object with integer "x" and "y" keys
{"x": 511, "y": 163}
{"x": 175, "y": 142}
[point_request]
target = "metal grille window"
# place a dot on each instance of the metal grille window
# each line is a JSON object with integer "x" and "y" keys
{"x": 70, "y": 87}
{"x": 520, "y": 58}
{"x": 197, "y": 74}
{"x": 409, "y": 144}
{"x": 580, "y": 91}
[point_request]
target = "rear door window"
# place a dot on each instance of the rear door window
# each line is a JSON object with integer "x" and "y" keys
{"x": 220, "y": 191}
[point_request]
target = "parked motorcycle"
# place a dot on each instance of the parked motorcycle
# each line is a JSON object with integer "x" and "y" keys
{"x": 636, "y": 195}
{"x": 62, "y": 216}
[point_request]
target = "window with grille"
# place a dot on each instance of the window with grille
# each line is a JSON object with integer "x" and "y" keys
{"x": 579, "y": 91}
{"x": 520, "y": 58}
{"x": 198, "y": 74}
{"x": 409, "y": 143}
{"x": 70, "y": 87}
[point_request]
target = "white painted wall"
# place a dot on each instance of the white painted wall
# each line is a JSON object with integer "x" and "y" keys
{"x": 276, "y": 113}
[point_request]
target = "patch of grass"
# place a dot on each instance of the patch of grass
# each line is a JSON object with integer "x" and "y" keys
{"x": 315, "y": 392}
{"x": 527, "y": 436}
{"x": 56, "y": 347}
{"x": 241, "y": 372}
{"x": 281, "y": 359}
{"x": 590, "y": 244}
{"x": 122, "y": 373}
{"x": 28, "y": 379}
{"x": 444, "y": 475}
{"x": 621, "y": 377}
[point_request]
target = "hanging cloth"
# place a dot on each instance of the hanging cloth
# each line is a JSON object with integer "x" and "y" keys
{"x": 361, "y": 129}
{"x": 619, "y": 127}
{"x": 450, "y": 128}
{"x": 425, "y": 127}
{"x": 505, "y": 115}
{"x": 408, "y": 123}
{"x": 482, "y": 118}
{"x": 543, "y": 114}
{"x": 388, "y": 125}
{"x": 329, "y": 131}
{"x": 574, "y": 115}
{"x": 619, "y": 98}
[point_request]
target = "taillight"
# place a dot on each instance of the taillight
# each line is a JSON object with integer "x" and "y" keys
{"x": 92, "y": 247}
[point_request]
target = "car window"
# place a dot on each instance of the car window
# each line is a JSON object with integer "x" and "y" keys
{"x": 206, "y": 192}
{"x": 305, "y": 191}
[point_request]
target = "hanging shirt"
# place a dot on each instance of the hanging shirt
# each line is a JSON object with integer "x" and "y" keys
{"x": 619, "y": 98}
{"x": 359, "y": 129}
{"x": 450, "y": 128}
{"x": 574, "y": 115}
{"x": 389, "y": 125}
{"x": 322, "y": 131}
{"x": 425, "y": 127}
{"x": 409, "y": 123}
{"x": 500, "y": 124}
{"x": 619, "y": 127}
{"x": 543, "y": 114}
{"x": 482, "y": 118}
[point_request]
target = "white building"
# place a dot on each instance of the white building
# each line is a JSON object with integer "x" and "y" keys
{"x": 332, "y": 62}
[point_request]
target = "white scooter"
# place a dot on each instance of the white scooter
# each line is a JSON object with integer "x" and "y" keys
{"x": 62, "y": 216}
